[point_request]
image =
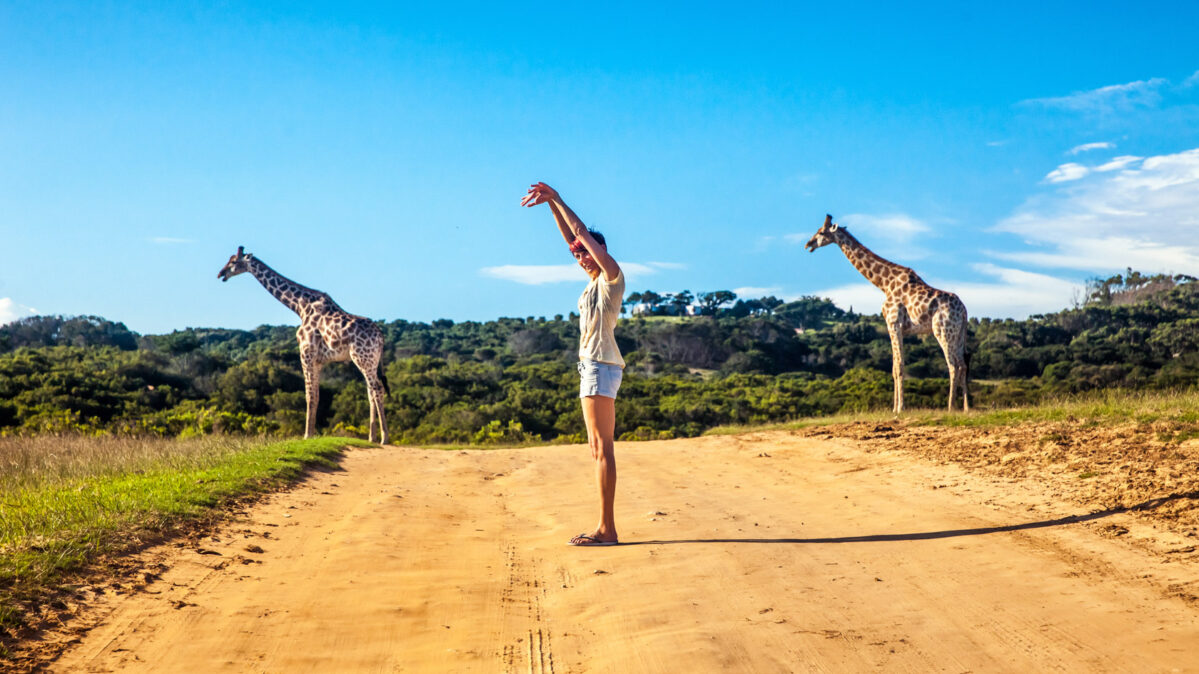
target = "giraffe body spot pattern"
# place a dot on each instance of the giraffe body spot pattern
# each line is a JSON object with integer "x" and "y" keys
{"x": 327, "y": 333}
{"x": 911, "y": 307}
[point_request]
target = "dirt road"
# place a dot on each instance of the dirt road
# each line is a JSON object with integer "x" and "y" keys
{"x": 758, "y": 553}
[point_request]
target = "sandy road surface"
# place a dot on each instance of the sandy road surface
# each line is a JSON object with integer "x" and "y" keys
{"x": 761, "y": 553}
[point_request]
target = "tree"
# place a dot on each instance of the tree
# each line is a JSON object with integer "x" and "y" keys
{"x": 632, "y": 300}
{"x": 771, "y": 303}
{"x": 709, "y": 303}
{"x": 680, "y": 301}
{"x": 809, "y": 312}
{"x": 73, "y": 331}
{"x": 1131, "y": 287}
{"x": 648, "y": 299}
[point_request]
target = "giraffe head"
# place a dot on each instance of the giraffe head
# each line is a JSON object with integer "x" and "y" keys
{"x": 824, "y": 236}
{"x": 238, "y": 263}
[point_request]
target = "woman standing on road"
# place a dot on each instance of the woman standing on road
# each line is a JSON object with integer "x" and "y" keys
{"x": 600, "y": 362}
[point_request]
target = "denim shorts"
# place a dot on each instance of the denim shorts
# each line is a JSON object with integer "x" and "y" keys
{"x": 598, "y": 379}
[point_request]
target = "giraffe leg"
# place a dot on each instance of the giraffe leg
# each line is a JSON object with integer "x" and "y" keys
{"x": 381, "y": 397}
{"x": 953, "y": 359}
{"x": 897, "y": 365}
{"x": 950, "y": 331}
{"x": 965, "y": 386}
{"x": 954, "y": 379}
{"x": 963, "y": 374}
{"x": 958, "y": 336}
{"x": 370, "y": 433}
{"x": 377, "y": 397}
{"x": 374, "y": 391}
{"x": 312, "y": 390}
{"x": 370, "y": 396}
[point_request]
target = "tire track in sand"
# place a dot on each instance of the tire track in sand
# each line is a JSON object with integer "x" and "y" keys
{"x": 524, "y": 632}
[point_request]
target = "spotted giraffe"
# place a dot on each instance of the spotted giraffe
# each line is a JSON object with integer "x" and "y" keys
{"x": 911, "y": 307}
{"x": 326, "y": 334}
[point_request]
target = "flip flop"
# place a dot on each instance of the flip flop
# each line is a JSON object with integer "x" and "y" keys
{"x": 586, "y": 540}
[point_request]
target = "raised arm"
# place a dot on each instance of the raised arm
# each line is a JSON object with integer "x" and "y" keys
{"x": 571, "y": 227}
{"x": 542, "y": 194}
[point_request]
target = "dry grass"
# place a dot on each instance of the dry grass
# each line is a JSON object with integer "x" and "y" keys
{"x": 1178, "y": 407}
{"x": 27, "y": 462}
{"x": 66, "y": 502}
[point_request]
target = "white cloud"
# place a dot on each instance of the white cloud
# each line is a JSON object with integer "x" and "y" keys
{"x": 996, "y": 143}
{"x": 1110, "y": 254}
{"x": 534, "y": 274}
{"x": 11, "y": 311}
{"x": 167, "y": 240}
{"x": 1191, "y": 81}
{"x": 1109, "y": 99}
{"x": 1118, "y": 163}
{"x": 1066, "y": 173}
{"x": 1087, "y": 147}
{"x": 1145, "y": 216}
{"x": 635, "y": 269}
{"x": 896, "y": 226}
{"x": 892, "y": 235}
{"x": 1014, "y": 294}
{"x": 753, "y": 292}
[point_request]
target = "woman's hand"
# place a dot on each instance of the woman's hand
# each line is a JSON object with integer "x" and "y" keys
{"x": 539, "y": 194}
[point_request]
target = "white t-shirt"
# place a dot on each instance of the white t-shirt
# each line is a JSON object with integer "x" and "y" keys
{"x": 599, "y": 309}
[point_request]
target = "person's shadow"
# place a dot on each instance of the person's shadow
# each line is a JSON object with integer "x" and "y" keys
{"x": 949, "y": 533}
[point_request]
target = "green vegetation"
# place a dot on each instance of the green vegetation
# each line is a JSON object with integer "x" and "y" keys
{"x": 67, "y": 501}
{"x": 1176, "y": 410}
{"x": 513, "y": 380}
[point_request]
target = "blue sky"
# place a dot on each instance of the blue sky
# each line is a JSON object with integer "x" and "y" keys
{"x": 1007, "y": 153}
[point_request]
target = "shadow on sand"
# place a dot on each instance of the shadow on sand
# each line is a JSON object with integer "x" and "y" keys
{"x": 951, "y": 533}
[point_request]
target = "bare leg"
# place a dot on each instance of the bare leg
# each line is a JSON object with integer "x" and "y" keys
{"x": 600, "y": 414}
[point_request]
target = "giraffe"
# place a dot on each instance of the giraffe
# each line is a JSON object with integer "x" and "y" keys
{"x": 326, "y": 334}
{"x": 911, "y": 307}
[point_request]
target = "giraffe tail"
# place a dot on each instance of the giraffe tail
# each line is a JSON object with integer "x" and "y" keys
{"x": 383, "y": 378}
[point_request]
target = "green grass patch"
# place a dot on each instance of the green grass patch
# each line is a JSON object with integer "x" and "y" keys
{"x": 67, "y": 501}
{"x": 1089, "y": 410}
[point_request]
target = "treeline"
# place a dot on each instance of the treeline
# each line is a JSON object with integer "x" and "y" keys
{"x": 513, "y": 379}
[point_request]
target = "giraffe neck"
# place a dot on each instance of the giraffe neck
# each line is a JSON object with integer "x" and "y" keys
{"x": 293, "y": 295}
{"x": 870, "y": 264}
